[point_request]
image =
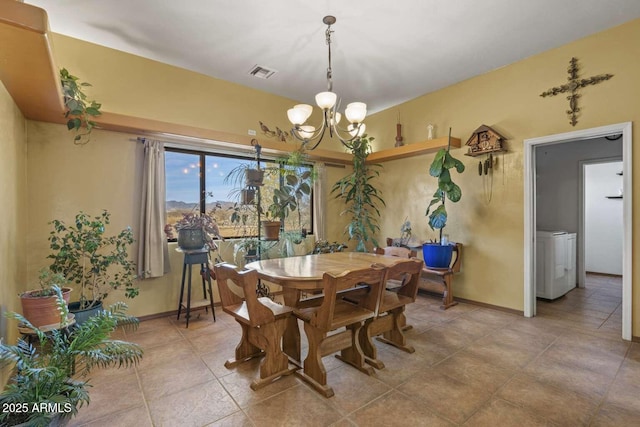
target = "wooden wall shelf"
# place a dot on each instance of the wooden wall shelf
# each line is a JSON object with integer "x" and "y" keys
{"x": 414, "y": 149}
{"x": 31, "y": 76}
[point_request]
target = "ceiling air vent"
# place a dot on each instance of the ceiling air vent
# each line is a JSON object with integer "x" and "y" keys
{"x": 261, "y": 72}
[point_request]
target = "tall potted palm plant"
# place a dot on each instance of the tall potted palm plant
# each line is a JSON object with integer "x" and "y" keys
{"x": 360, "y": 196}
{"x": 54, "y": 373}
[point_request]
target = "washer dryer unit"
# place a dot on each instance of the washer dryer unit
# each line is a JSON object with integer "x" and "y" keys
{"x": 555, "y": 263}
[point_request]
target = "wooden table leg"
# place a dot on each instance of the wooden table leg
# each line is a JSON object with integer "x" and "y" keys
{"x": 291, "y": 338}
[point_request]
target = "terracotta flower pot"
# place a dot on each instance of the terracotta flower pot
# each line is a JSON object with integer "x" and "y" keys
{"x": 270, "y": 230}
{"x": 42, "y": 311}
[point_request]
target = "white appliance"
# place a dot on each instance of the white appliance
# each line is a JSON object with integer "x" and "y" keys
{"x": 555, "y": 263}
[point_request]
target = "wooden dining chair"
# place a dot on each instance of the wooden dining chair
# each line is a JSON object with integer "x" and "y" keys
{"x": 336, "y": 313}
{"x": 399, "y": 251}
{"x": 263, "y": 323}
{"x": 390, "y": 320}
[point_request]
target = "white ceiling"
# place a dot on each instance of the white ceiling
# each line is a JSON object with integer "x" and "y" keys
{"x": 384, "y": 52}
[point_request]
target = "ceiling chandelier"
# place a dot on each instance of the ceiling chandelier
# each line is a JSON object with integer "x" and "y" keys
{"x": 328, "y": 102}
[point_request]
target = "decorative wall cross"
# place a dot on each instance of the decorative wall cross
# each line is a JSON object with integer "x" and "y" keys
{"x": 574, "y": 83}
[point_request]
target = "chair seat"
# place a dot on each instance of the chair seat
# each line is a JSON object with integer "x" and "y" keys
{"x": 240, "y": 312}
{"x": 345, "y": 313}
{"x": 437, "y": 271}
{"x": 392, "y": 300}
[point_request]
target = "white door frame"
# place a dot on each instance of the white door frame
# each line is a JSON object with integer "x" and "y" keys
{"x": 530, "y": 213}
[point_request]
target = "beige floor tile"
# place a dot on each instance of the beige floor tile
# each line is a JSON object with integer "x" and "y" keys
{"x": 199, "y": 405}
{"x": 109, "y": 397}
{"x": 174, "y": 376}
{"x": 237, "y": 419}
{"x": 464, "y": 367}
{"x": 237, "y": 384}
{"x": 354, "y": 388}
{"x": 612, "y": 416}
{"x": 138, "y": 416}
{"x": 501, "y": 413}
{"x": 625, "y": 390}
{"x": 395, "y": 408}
{"x": 450, "y": 398}
{"x": 296, "y": 406}
{"x": 564, "y": 407}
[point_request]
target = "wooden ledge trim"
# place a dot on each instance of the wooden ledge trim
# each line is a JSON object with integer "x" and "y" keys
{"x": 24, "y": 16}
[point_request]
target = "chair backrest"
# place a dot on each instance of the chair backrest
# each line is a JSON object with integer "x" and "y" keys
{"x": 236, "y": 286}
{"x": 373, "y": 276}
{"x": 400, "y": 251}
{"x": 409, "y": 270}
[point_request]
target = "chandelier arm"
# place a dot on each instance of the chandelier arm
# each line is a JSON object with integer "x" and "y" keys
{"x": 347, "y": 142}
{"x": 317, "y": 134}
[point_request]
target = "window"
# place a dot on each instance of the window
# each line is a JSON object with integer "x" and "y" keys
{"x": 203, "y": 182}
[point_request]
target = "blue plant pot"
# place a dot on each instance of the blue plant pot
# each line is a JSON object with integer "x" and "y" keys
{"x": 436, "y": 255}
{"x": 83, "y": 315}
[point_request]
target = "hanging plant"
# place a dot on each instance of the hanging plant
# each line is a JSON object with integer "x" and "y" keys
{"x": 79, "y": 111}
{"x": 360, "y": 196}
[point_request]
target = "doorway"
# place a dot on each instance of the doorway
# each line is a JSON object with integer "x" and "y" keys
{"x": 530, "y": 145}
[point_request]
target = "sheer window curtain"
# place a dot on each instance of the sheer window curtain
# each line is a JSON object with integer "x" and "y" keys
{"x": 153, "y": 251}
{"x": 320, "y": 201}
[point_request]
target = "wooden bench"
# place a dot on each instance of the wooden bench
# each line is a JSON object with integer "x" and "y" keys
{"x": 440, "y": 280}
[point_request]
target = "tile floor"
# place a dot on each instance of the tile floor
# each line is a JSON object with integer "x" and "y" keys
{"x": 473, "y": 366}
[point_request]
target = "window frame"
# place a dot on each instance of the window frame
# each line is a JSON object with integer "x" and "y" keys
{"x": 202, "y": 190}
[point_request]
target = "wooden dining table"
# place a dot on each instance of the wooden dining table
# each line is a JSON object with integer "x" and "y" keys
{"x": 304, "y": 274}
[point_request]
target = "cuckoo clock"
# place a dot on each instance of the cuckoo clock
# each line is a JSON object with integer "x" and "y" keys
{"x": 485, "y": 140}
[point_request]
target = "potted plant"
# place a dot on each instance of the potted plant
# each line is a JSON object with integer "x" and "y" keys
{"x": 247, "y": 174}
{"x": 79, "y": 111}
{"x": 324, "y": 247}
{"x": 292, "y": 243}
{"x": 195, "y": 230}
{"x": 98, "y": 263}
{"x": 360, "y": 196}
{"x": 438, "y": 254}
{"x": 247, "y": 247}
{"x": 53, "y": 374}
{"x": 40, "y": 306}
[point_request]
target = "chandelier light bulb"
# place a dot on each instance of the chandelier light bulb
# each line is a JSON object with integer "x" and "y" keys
{"x": 326, "y": 100}
{"x": 356, "y": 112}
{"x": 354, "y": 130}
{"x": 335, "y": 118}
{"x": 306, "y": 131}
{"x": 299, "y": 113}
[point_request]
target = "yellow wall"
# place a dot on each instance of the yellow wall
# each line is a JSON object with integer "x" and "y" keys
{"x": 508, "y": 100}
{"x": 64, "y": 178}
{"x": 13, "y": 219}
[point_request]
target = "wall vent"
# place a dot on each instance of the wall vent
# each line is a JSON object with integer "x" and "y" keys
{"x": 261, "y": 72}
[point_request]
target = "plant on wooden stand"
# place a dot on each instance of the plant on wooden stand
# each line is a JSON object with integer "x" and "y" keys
{"x": 40, "y": 306}
{"x": 360, "y": 196}
{"x": 447, "y": 189}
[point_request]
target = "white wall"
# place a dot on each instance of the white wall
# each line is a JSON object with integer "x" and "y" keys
{"x": 603, "y": 218}
{"x": 557, "y": 180}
